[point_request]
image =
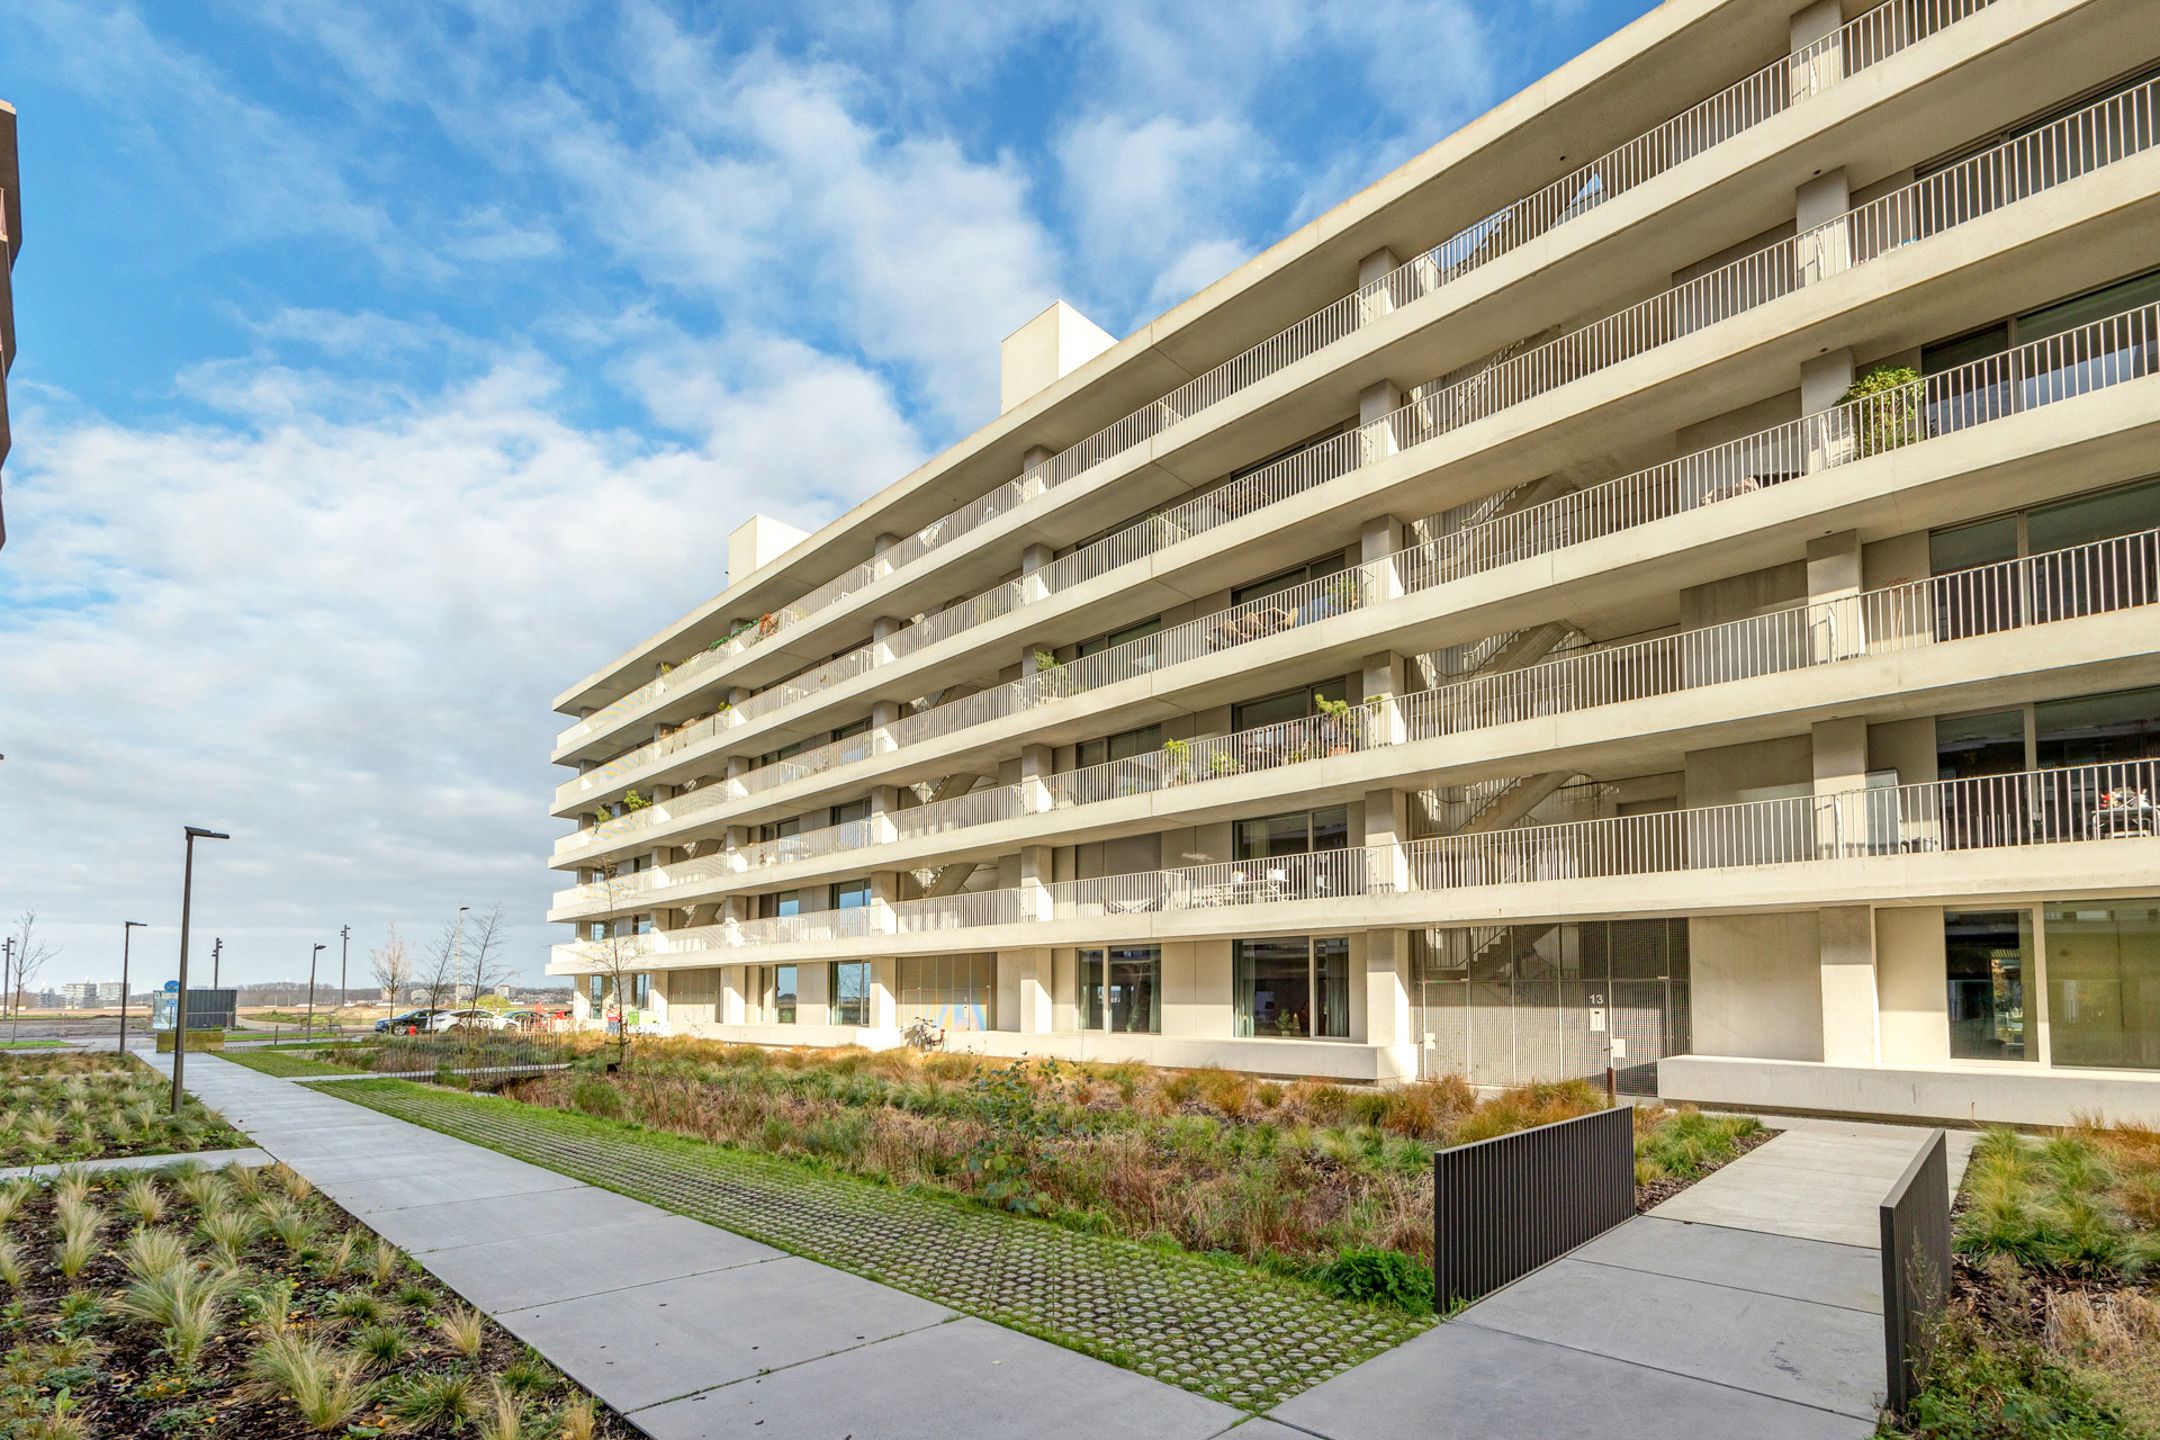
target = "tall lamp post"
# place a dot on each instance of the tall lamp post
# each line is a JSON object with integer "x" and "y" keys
{"x": 187, "y": 898}
{"x": 344, "y": 953}
{"x": 217, "y": 948}
{"x": 127, "y": 927}
{"x": 7, "y": 971}
{"x": 313, "y": 956}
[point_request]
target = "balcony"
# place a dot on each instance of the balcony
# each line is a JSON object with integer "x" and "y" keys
{"x": 2034, "y": 164}
{"x": 1775, "y": 89}
{"x": 2098, "y": 578}
{"x": 1886, "y": 842}
{"x": 2106, "y": 354}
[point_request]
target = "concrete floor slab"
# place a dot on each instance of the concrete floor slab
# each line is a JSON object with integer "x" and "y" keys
{"x": 653, "y": 1343}
{"x": 967, "y": 1380}
{"x": 1825, "y": 1274}
{"x": 1816, "y": 1355}
{"x": 514, "y": 1274}
{"x": 1464, "y": 1382}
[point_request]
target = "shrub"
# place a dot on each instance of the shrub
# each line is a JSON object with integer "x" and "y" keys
{"x": 1380, "y": 1277}
{"x": 1893, "y": 420}
{"x": 596, "y": 1097}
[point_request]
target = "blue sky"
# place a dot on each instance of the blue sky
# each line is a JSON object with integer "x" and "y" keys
{"x": 386, "y": 366}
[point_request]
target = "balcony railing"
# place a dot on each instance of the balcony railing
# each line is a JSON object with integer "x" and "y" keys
{"x": 2057, "y": 806}
{"x": 2109, "y": 352}
{"x": 1868, "y": 40}
{"x": 2103, "y": 133}
{"x": 2099, "y": 577}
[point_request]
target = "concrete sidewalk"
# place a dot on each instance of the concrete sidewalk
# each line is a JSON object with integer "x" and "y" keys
{"x": 1749, "y": 1304}
{"x": 689, "y": 1330}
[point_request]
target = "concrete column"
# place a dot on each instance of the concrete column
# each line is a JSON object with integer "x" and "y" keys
{"x": 1033, "y": 561}
{"x": 1818, "y": 57}
{"x": 883, "y": 629}
{"x": 1851, "y": 1014}
{"x": 732, "y": 1008}
{"x": 1837, "y": 629}
{"x": 1376, "y": 402}
{"x": 1036, "y": 874}
{"x": 1033, "y": 1011}
{"x": 884, "y": 800}
{"x": 1036, "y": 455}
{"x": 878, "y": 547}
{"x": 1819, "y": 217}
{"x": 883, "y": 713}
{"x": 884, "y": 891}
{"x": 1036, "y": 764}
{"x": 1387, "y": 823}
{"x": 1387, "y": 988}
{"x": 1374, "y": 300}
{"x": 1823, "y": 383}
{"x": 885, "y": 994}
{"x": 1384, "y": 677}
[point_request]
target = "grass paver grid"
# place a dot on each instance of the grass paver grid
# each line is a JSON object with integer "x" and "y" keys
{"x": 1229, "y": 1333}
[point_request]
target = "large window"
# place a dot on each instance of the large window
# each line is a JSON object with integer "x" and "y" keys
{"x": 1987, "y": 959}
{"x": 2103, "y": 984}
{"x": 850, "y": 992}
{"x": 1298, "y": 704}
{"x": 1298, "y": 833}
{"x": 1112, "y": 639}
{"x": 850, "y": 894}
{"x": 952, "y": 992}
{"x": 1293, "y": 987}
{"x": 1147, "y": 740}
{"x": 1121, "y": 989}
{"x": 1288, "y": 579}
{"x": 2117, "y": 577}
{"x": 776, "y": 994}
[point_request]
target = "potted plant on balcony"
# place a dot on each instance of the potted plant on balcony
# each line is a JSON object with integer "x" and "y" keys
{"x": 1892, "y": 416}
{"x": 1050, "y": 679}
{"x": 1177, "y": 761}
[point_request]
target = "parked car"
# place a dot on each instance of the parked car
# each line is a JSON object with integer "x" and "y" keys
{"x": 412, "y": 1022}
{"x": 523, "y": 1020}
{"x": 480, "y": 1019}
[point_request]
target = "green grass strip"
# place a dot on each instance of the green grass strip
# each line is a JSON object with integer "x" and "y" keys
{"x": 1220, "y": 1328}
{"x": 276, "y": 1060}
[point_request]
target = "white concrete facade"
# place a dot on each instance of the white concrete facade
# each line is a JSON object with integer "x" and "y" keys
{"x": 1688, "y": 611}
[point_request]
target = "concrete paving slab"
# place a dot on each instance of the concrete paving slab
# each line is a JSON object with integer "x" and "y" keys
{"x": 542, "y": 1214}
{"x": 1262, "y": 1428}
{"x": 653, "y": 1343}
{"x": 1825, "y": 1274}
{"x": 1464, "y": 1382}
{"x": 208, "y": 1159}
{"x": 967, "y": 1380}
{"x": 1817, "y": 1355}
{"x": 500, "y": 1275}
{"x": 403, "y": 1192}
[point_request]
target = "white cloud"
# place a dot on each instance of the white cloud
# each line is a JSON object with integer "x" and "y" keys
{"x": 337, "y": 637}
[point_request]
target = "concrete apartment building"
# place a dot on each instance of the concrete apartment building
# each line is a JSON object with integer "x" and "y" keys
{"x": 11, "y": 242}
{"x": 1668, "y": 578}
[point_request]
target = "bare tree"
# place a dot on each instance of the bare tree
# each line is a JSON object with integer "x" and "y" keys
{"x": 487, "y": 952}
{"x": 392, "y": 964}
{"x": 615, "y": 953}
{"x": 31, "y": 953}
{"x": 437, "y": 970}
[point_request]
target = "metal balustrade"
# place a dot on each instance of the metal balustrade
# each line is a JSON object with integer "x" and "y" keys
{"x": 1867, "y": 40}
{"x": 2095, "y": 578}
{"x": 2122, "y": 348}
{"x": 2062, "y": 805}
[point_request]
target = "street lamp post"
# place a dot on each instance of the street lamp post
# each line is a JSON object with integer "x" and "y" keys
{"x": 217, "y": 948}
{"x": 187, "y": 898}
{"x": 344, "y": 952}
{"x": 127, "y": 927}
{"x": 7, "y": 971}
{"x": 313, "y": 955}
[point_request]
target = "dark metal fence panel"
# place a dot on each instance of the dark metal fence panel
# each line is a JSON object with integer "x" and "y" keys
{"x": 1916, "y": 1267}
{"x": 1503, "y": 1207}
